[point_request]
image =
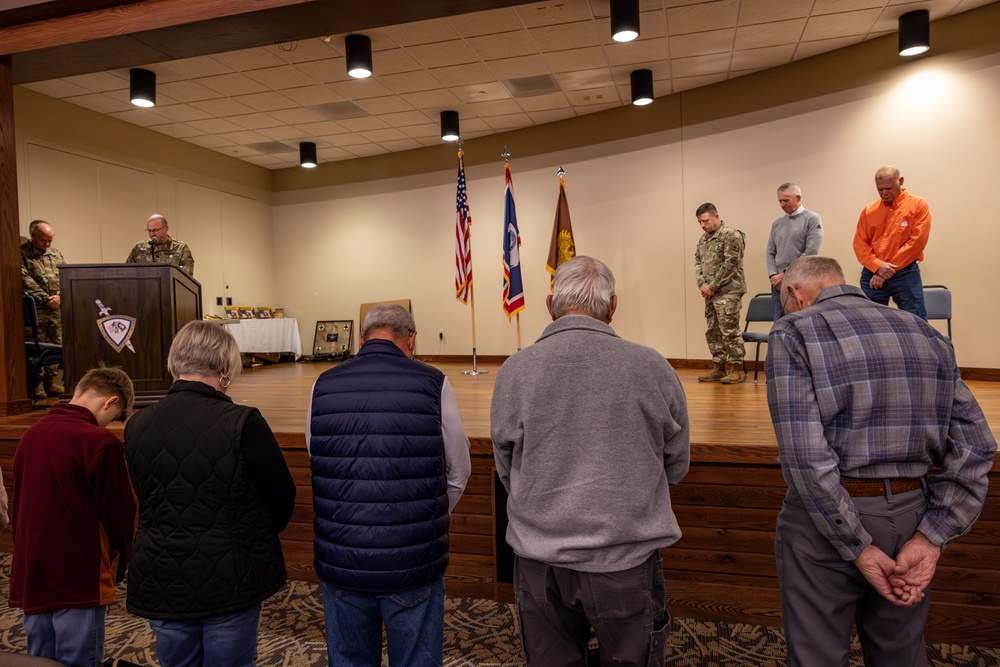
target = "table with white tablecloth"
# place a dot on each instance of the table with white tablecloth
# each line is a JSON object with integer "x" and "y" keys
{"x": 268, "y": 336}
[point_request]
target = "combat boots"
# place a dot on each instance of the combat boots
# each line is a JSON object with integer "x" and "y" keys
{"x": 717, "y": 373}
{"x": 51, "y": 388}
{"x": 734, "y": 374}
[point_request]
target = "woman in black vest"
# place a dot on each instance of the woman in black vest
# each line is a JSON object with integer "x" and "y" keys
{"x": 214, "y": 492}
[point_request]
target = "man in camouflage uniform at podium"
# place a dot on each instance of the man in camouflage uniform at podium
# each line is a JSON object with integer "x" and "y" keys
{"x": 160, "y": 248}
{"x": 718, "y": 266}
{"x": 40, "y": 279}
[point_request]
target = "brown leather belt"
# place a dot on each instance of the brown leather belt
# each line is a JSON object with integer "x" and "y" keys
{"x": 869, "y": 488}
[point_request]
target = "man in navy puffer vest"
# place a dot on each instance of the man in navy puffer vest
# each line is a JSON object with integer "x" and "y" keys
{"x": 389, "y": 459}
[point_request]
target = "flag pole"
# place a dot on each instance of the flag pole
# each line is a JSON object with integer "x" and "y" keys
{"x": 472, "y": 309}
{"x": 517, "y": 316}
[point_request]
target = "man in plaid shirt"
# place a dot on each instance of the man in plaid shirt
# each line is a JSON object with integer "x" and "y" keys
{"x": 865, "y": 401}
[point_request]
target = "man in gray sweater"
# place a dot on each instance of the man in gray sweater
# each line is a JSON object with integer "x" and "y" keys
{"x": 799, "y": 232}
{"x": 589, "y": 431}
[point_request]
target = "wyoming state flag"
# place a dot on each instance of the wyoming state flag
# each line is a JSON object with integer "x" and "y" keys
{"x": 513, "y": 290}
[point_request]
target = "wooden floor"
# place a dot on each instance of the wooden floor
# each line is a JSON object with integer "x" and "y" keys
{"x": 723, "y": 567}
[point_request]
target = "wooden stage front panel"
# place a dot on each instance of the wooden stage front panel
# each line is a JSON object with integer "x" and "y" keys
{"x": 723, "y": 568}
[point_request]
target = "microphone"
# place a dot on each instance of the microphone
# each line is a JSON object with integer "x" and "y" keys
{"x": 152, "y": 248}
{"x": 151, "y": 242}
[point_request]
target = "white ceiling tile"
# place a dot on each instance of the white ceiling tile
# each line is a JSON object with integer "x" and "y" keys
{"x": 564, "y": 36}
{"x": 641, "y": 51}
{"x": 701, "y": 17}
{"x": 269, "y": 101}
{"x": 771, "y": 56}
{"x": 366, "y": 150}
{"x": 687, "y": 83}
{"x": 360, "y": 89}
{"x": 324, "y": 128}
{"x": 312, "y": 95}
{"x": 99, "y": 82}
{"x": 404, "y": 119}
{"x": 769, "y": 34}
{"x": 566, "y": 61}
{"x": 515, "y": 68}
{"x": 368, "y": 124}
{"x": 209, "y": 141}
{"x": 502, "y": 45}
{"x": 327, "y": 71}
{"x": 194, "y": 68}
{"x": 547, "y": 13}
{"x": 421, "y": 32}
{"x": 410, "y": 82}
{"x": 590, "y": 78}
{"x": 481, "y": 92}
{"x": 244, "y": 137}
{"x": 345, "y": 139}
{"x": 331, "y": 153}
{"x": 495, "y": 108}
{"x": 766, "y": 11}
{"x": 296, "y": 116}
{"x": 550, "y": 115}
{"x": 550, "y": 102}
{"x": 232, "y": 84}
{"x": 463, "y": 75}
{"x": 280, "y": 78}
{"x": 393, "y": 61}
{"x": 214, "y": 126}
{"x": 583, "y": 98}
{"x": 443, "y": 54}
{"x": 182, "y": 113}
{"x": 255, "y": 121}
{"x": 840, "y": 25}
{"x": 281, "y": 133}
{"x": 303, "y": 50}
{"x": 223, "y": 107}
{"x": 384, "y": 105}
{"x": 702, "y": 44}
{"x": 58, "y": 88}
{"x": 700, "y": 65}
{"x": 264, "y": 160}
{"x": 398, "y": 145}
{"x": 178, "y": 130}
{"x": 441, "y": 99}
{"x": 385, "y": 134}
{"x": 100, "y": 102}
{"x": 843, "y": 6}
{"x": 141, "y": 117}
{"x": 248, "y": 59}
{"x": 186, "y": 90}
{"x": 423, "y": 131}
{"x": 485, "y": 23}
{"x": 508, "y": 122}
{"x": 807, "y": 49}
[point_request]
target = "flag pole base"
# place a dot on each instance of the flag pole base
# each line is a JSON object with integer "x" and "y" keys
{"x": 475, "y": 367}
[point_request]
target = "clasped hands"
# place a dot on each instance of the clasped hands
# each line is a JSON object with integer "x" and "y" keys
{"x": 884, "y": 272}
{"x": 901, "y": 581}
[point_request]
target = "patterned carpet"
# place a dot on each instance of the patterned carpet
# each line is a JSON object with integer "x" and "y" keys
{"x": 478, "y": 633}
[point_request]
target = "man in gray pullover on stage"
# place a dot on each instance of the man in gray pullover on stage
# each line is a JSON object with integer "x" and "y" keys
{"x": 589, "y": 431}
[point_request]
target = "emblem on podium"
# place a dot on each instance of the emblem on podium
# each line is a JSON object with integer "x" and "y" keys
{"x": 116, "y": 329}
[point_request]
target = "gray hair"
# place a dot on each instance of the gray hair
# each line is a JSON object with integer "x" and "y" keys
{"x": 813, "y": 269}
{"x": 584, "y": 284}
{"x": 204, "y": 348}
{"x": 790, "y": 186}
{"x": 389, "y": 317}
{"x": 35, "y": 224}
{"x": 887, "y": 170}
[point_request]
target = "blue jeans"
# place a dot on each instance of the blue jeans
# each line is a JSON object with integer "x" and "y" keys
{"x": 73, "y": 637}
{"x": 414, "y": 626}
{"x": 905, "y": 288}
{"x": 777, "y": 312}
{"x": 220, "y": 641}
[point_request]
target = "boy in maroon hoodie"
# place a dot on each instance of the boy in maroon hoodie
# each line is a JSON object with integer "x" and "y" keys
{"x": 74, "y": 520}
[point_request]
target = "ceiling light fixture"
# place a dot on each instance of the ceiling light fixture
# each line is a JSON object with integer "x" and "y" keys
{"x": 914, "y": 32}
{"x": 307, "y": 154}
{"x": 359, "y": 56}
{"x": 642, "y": 86}
{"x": 449, "y": 126}
{"x": 624, "y": 20}
{"x": 142, "y": 87}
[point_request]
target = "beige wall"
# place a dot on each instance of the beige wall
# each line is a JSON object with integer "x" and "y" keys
{"x": 385, "y": 231}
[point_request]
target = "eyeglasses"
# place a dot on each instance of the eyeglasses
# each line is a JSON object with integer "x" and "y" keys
{"x": 155, "y": 231}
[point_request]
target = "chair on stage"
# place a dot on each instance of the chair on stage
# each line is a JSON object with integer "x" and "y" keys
{"x": 937, "y": 301}
{"x": 37, "y": 354}
{"x": 760, "y": 310}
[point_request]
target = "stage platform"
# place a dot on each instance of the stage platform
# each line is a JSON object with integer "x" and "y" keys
{"x": 722, "y": 568}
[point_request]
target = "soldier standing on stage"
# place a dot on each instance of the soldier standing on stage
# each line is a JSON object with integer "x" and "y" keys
{"x": 161, "y": 247}
{"x": 718, "y": 266}
{"x": 40, "y": 280}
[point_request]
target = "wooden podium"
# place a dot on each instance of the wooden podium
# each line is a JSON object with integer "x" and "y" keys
{"x": 125, "y": 315}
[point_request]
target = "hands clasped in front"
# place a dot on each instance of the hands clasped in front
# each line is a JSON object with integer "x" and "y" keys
{"x": 901, "y": 581}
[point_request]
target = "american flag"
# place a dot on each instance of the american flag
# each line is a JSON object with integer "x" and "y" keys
{"x": 463, "y": 246}
{"x": 513, "y": 290}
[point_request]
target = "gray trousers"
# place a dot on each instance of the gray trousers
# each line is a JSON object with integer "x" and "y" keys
{"x": 822, "y": 595}
{"x": 556, "y": 608}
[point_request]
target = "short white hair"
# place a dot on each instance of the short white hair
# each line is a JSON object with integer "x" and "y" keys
{"x": 585, "y": 284}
